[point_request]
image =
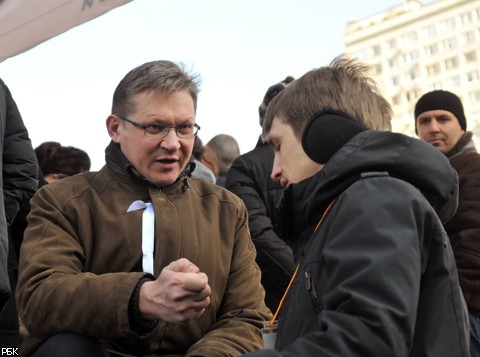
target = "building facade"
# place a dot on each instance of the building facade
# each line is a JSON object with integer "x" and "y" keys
{"x": 414, "y": 48}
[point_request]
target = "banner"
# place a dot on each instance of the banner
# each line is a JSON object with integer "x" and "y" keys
{"x": 27, "y": 23}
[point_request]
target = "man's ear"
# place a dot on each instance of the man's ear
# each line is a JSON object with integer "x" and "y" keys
{"x": 327, "y": 133}
{"x": 113, "y": 125}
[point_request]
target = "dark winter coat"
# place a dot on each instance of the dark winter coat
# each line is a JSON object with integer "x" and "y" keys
{"x": 18, "y": 182}
{"x": 249, "y": 178}
{"x": 378, "y": 277}
{"x": 464, "y": 228}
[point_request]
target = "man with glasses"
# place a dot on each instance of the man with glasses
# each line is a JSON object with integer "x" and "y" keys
{"x": 138, "y": 258}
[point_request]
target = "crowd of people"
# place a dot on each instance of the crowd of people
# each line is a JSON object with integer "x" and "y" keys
{"x": 341, "y": 236}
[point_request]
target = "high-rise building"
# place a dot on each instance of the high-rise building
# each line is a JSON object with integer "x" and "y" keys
{"x": 417, "y": 47}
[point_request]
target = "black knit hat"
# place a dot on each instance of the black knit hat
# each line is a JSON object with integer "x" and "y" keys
{"x": 271, "y": 93}
{"x": 443, "y": 100}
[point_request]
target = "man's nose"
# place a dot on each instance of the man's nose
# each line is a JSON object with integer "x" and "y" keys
{"x": 171, "y": 141}
{"x": 276, "y": 170}
{"x": 434, "y": 126}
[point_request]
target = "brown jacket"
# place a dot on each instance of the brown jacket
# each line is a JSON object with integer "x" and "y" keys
{"x": 464, "y": 228}
{"x": 81, "y": 260}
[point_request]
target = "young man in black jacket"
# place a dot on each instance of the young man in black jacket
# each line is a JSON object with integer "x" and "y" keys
{"x": 376, "y": 275}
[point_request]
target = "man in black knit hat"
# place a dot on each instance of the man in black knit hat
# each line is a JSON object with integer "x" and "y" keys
{"x": 440, "y": 120}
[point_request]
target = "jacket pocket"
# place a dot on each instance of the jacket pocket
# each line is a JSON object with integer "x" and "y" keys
{"x": 312, "y": 283}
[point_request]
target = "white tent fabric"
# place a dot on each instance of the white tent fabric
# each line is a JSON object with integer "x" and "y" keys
{"x": 27, "y": 23}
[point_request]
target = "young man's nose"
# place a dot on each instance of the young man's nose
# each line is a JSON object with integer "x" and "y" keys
{"x": 276, "y": 170}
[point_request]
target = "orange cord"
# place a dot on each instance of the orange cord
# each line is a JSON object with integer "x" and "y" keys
{"x": 272, "y": 321}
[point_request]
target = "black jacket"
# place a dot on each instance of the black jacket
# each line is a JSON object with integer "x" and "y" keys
{"x": 378, "y": 277}
{"x": 249, "y": 178}
{"x": 18, "y": 181}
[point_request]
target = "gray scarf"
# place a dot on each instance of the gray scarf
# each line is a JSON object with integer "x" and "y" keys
{"x": 463, "y": 145}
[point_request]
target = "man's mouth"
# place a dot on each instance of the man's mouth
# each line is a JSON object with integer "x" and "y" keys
{"x": 283, "y": 182}
{"x": 167, "y": 161}
{"x": 435, "y": 141}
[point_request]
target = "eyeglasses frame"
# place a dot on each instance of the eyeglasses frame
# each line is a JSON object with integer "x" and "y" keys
{"x": 166, "y": 132}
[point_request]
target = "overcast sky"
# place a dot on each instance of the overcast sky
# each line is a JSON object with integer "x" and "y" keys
{"x": 64, "y": 86}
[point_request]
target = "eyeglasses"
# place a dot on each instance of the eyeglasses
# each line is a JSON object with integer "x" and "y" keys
{"x": 184, "y": 131}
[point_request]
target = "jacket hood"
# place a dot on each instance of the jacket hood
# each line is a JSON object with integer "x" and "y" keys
{"x": 403, "y": 157}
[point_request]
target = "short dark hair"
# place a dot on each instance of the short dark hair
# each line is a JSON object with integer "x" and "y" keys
{"x": 53, "y": 158}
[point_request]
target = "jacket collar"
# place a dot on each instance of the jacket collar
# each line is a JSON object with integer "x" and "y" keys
{"x": 116, "y": 160}
{"x": 464, "y": 144}
{"x": 403, "y": 157}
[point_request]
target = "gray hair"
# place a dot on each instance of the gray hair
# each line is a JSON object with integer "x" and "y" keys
{"x": 153, "y": 76}
{"x": 226, "y": 148}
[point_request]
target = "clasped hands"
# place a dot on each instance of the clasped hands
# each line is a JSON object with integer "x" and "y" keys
{"x": 179, "y": 295}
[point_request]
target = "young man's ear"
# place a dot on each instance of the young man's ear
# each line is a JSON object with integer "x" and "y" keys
{"x": 327, "y": 133}
{"x": 113, "y": 124}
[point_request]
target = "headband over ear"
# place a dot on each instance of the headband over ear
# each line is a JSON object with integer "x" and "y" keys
{"x": 327, "y": 133}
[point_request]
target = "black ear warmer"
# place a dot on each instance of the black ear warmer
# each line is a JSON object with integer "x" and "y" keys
{"x": 327, "y": 133}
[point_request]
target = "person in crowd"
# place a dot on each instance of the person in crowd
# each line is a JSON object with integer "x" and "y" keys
{"x": 440, "y": 120}
{"x": 376, "y": 275}
{"x": 138, "y": 258}
{"x": 57, "y": 161}
{"x": 249, "y": 178}
{"x": 19, "y": 182}
{"x": 201, "y": 171}
{"x": 226, "y": 149}
{"x": 210, "y": 160}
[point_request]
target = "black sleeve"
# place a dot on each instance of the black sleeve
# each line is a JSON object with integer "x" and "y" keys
{"x": 19, "y": 160}
{"x": 137, "y": 322}
{"x": 249, "y": 179}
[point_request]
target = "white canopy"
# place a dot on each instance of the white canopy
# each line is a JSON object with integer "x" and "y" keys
{"x": 27, "y": 23}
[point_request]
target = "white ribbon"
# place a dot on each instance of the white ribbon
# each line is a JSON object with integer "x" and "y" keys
{"x": 148, "y": 229}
